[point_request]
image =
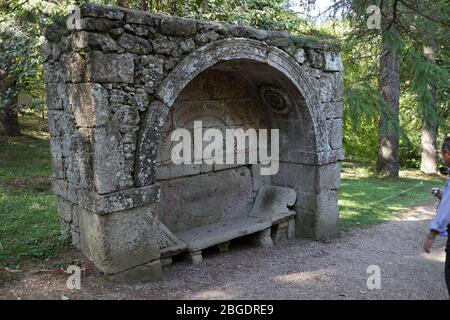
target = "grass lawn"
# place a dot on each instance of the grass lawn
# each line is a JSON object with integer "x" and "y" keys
{"x": 365, "y": 199}
{"x": 29, "y": 224}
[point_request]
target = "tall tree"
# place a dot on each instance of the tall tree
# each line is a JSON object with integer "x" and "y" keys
{"x": 9, "y": 122}
{"x": 428, "y": 71}
{"x": 389, "y": 87}
{"x": 410, "y": 21}
{"x": 428, "y": 163}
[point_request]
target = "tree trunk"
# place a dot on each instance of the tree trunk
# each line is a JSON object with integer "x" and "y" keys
{"x": 389, "y": 87}
{"x": 428, "y": 164}
{"x": 9, "y": 123}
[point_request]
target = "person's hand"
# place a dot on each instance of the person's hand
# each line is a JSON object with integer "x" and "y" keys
{"x": 428, "y": 245}
{"x": 437, "y": 192}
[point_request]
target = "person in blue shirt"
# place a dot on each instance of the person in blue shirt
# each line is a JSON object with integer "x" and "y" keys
{"x": 441, "y": 223}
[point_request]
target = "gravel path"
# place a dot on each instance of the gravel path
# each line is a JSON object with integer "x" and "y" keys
{"x": 296, "y": 269}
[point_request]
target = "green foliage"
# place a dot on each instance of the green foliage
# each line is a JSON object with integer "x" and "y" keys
{"x": 423, "y": 78}
{"x": 420, "y": 23}
{"x": 22, "y": 26}
{"x": 365, "y": 199}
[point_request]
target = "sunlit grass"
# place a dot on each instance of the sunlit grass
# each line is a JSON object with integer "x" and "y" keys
{"x": 29, "y": 224}
{"x": 365, "y": 199}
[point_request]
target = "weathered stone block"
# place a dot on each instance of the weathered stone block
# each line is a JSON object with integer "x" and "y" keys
{"x": 305, "y": 223}
{"x": 259, "y": 180}
{"x": 280, "y": 231}
{"x": 150, "y": 71}
{"x": 75, "y": 235}
{"x": 148, "y": 272}
{"x": 297, "y": 53}
{"x": 96, "y": 11}
{"x": 175, "y": 26}
{"x": 301, "y": 157}
{"x": 195, "y": 257}
{"x": 338, "y": 85}
{"x": 291, "y": 228}
{"x": 328, "y": 177}
{"x": 47, "y": 50}
{"x": 328, "y": 226}
{"x": 64, "y": 209}
{"x": 78, "y": 162}
{"x": 59, "y": 188}
{"x": 290, "y": 174}
{"x": 206, "y": 198}
{"x": 108, "y": 160}
{"x": 148, "y": 143}
{"x": 119, "y": 241}
{"x": 315, "y": 58}
{"x": 326, "y": 88}
{"x": 55, "y": 96}
{"x": 109, "y": 67}
{"x": 94, "y": 41}
{"x": 319, "y": 218}
{"x": 89, "y": 104}
{"x": 187, "y": 45}
{"x": 336, "y": 133}
{"x": 60, "y": 123}
{"x": 128, "y": 199}
{"x": 207, "y": 36}
{"x": 74, "y": 67}
{"x": 98, "y": 24}
{"x": 162, "y": 45}
{"x": 134, "y": 44}
{"x": 245, "y": 31}
{"x": 57, "y": 160}
{"x": 332, "y": 110}
{"x": 72, "y": 192}
{"x": 53, "y": 73}
{"x": 330, "y": 156}
{"x": 263, "y": 239}
{"x": 141, "y": 17}
{"x": 333, "y": 62}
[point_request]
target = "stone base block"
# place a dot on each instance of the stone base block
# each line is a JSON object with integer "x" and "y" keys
{"x": 223, "y": 247}
{"x": 195, "y": 257}
{"x": 147, "y": 272}
{"x": 166, "y": 262}
{"x": 280, "y": 231}
{"x": 291, "y": 228}
{"x": 263, "y": 239}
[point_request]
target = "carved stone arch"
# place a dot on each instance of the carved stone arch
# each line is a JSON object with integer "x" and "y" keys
{"x": 206, "y": 57}
{"x": 112, "y": 78}
{"x": 235, "y": 49}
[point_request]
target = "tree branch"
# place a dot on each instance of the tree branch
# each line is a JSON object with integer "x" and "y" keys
{"x": 424, "y": 15}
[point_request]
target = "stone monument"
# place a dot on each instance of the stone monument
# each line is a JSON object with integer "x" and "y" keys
{"x": 119, "y": 82}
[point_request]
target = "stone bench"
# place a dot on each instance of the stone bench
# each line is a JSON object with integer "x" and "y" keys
{"x": 270, "y": 211}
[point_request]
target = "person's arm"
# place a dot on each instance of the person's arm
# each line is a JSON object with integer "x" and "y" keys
{"x": 442, "y": 219}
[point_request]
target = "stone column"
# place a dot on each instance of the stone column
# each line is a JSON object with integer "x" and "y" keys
{"x": 93, "y": 123}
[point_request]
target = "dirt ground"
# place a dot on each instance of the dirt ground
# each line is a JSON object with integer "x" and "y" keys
{"x": 294, "y": 269}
